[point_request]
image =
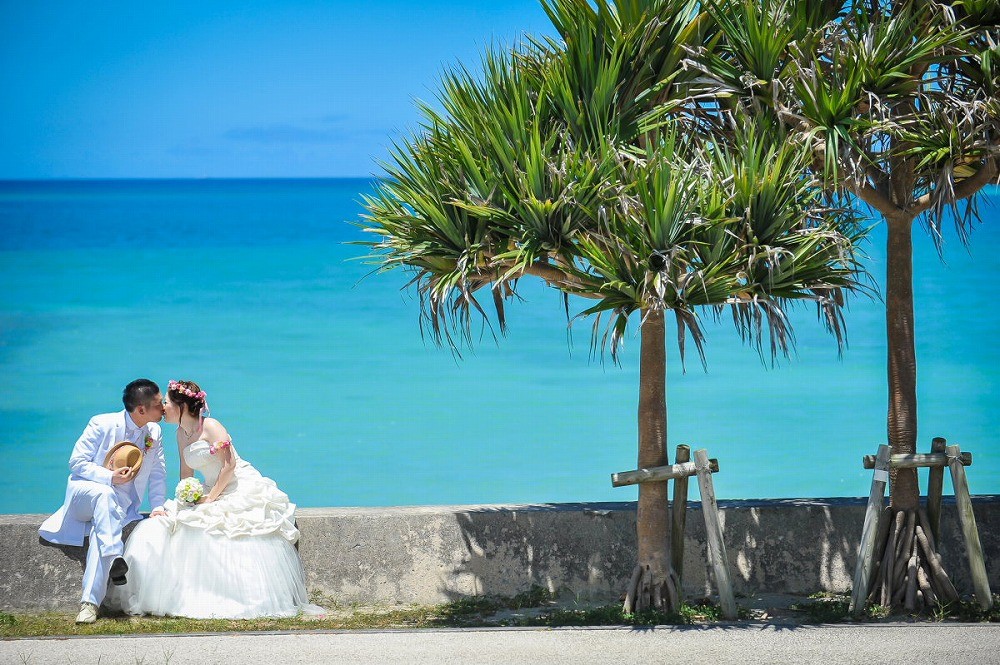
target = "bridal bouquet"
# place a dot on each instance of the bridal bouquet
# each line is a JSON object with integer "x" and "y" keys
{"x": 189, "y": 491}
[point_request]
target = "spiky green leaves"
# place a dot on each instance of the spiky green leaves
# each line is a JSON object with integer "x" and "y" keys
{"x": 897, "y": 100}
{"x": 581, "y": 162}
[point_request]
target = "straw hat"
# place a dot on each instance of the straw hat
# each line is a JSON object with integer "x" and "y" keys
{"x": 124, "y": 453}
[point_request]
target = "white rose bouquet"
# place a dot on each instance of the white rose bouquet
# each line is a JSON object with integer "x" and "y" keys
{"x": 189, "y": 491}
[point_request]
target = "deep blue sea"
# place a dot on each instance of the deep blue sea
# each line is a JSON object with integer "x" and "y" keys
{"x": 322, "y": 376}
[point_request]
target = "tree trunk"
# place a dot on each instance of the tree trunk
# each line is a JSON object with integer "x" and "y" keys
{"x": 653, "y": 585}
{"x": 910, "y": 559}
{"x": 653, "y": 516}
{"x": 902, "y": 359}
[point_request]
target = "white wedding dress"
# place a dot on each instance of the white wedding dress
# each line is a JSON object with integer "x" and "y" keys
{"x": 233, "y": 558}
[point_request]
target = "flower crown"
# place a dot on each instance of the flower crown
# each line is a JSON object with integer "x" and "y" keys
{"x": 174, "y": 385}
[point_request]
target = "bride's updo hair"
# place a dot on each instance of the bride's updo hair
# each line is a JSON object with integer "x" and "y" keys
{"x": 188, "y": 395}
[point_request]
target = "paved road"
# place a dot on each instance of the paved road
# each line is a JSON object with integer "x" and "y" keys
{"x": 745, "y": 645}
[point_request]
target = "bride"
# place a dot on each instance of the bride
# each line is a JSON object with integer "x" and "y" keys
{"x": 229, "y": 556}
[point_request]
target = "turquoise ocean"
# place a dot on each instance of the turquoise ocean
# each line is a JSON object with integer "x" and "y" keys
{"x": 319, "y": 370}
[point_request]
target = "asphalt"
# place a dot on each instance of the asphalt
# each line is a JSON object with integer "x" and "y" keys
{"x": 745, "y": 644}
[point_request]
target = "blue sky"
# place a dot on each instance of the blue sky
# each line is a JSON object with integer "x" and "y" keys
{"x": 228, "y": 89}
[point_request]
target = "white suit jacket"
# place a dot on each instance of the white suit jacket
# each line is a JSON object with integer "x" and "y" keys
{"x": 86, "y": 463}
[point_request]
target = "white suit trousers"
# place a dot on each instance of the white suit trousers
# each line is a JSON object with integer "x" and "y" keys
{"x": 104, "y": 507}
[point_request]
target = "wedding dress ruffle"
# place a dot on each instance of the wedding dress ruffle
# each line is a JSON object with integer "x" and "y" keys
{"x": 233, "y": 558}
{"x": 251, "y": 504}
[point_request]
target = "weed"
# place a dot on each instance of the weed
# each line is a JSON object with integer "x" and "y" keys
{"x": 877, "y": 611}
{"x": 471, "y": 606}
{"x": 612, "y": 615}
{"x": 536, "y": 596}
{"x": 607, "y": 615}
{"x": 703, "y": 611}
{"x": 825, "y": 608}
{"x": 970, "y": 611}
{"x": 942, "y": 612}
{"x": 832, "y": 607}
{"x": 475, "y": 610}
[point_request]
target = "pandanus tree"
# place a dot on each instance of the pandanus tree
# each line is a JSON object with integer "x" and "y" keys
{"x": 575, "y": 160}
{"x": 899, "y": 103}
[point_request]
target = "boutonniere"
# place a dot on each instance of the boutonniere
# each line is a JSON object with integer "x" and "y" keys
{"x": 148, "y": 443}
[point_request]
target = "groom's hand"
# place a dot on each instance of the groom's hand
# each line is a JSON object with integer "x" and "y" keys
{"x": 122, "y": 476}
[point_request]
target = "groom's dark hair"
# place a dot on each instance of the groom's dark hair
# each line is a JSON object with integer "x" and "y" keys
{"x": 139, "y": 393}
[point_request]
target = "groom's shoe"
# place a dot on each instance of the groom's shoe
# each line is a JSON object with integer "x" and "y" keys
{"x": 118, "y": 570}
{"x": 88, "y": 613}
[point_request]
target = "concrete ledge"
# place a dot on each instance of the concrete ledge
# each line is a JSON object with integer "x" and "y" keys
{"x": 435, "y": 554}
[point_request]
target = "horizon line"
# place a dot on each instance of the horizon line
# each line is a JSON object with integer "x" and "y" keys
{"x": 120, "y": 178}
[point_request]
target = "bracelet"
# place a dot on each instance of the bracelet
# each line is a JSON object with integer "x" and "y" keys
{"x": 216, "y": 447}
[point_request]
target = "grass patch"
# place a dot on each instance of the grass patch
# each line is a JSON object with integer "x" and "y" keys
{"x": 463, "y": 612}
{"x": 531, "y": 608}
{"x": 58, "y": 624}
{"x": 970, "y": 611}
{"x": 479, "y": 610}
{"x": 612, "y": 615}
{"x": 535, "y": 607}
{"x": 829, "y": 607}
{"x": 536, "y": 596}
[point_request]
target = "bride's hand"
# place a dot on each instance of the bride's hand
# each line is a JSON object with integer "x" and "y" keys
{"x": 205, "y": 499}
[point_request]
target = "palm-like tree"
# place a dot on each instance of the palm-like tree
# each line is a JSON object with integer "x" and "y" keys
{"x": 900, "y": 104}
{"x": 576, "y": 160}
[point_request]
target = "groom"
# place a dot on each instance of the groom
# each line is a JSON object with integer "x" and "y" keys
{"x": 101, "y": 501}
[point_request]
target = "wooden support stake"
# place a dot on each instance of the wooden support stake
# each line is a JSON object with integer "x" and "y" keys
{"x": 679, "y": 517}
{"x": 935, "y": 483}
{"x": 863, "y": 568}
{"x": 658, "y": 473}
{"x": 713, "y": 528}
{"x": 905, "y": 461}
{"x": 974, "y": 548}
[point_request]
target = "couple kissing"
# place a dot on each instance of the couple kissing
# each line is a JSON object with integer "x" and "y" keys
{"x": 224, "y": 549}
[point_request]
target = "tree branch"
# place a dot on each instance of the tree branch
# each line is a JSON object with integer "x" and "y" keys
{"x": 872, "y": 197}
{"x": 547, "y": 271}
{"x": 964, "y": 189}
{"x": 553, "y": 276}
{"x": 858, "y": 187}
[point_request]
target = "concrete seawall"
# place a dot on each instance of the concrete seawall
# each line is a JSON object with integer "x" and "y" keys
{"x": 424, "y": 555}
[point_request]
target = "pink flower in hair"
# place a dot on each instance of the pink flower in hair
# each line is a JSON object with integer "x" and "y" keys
{"x": 184, "y": 390}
